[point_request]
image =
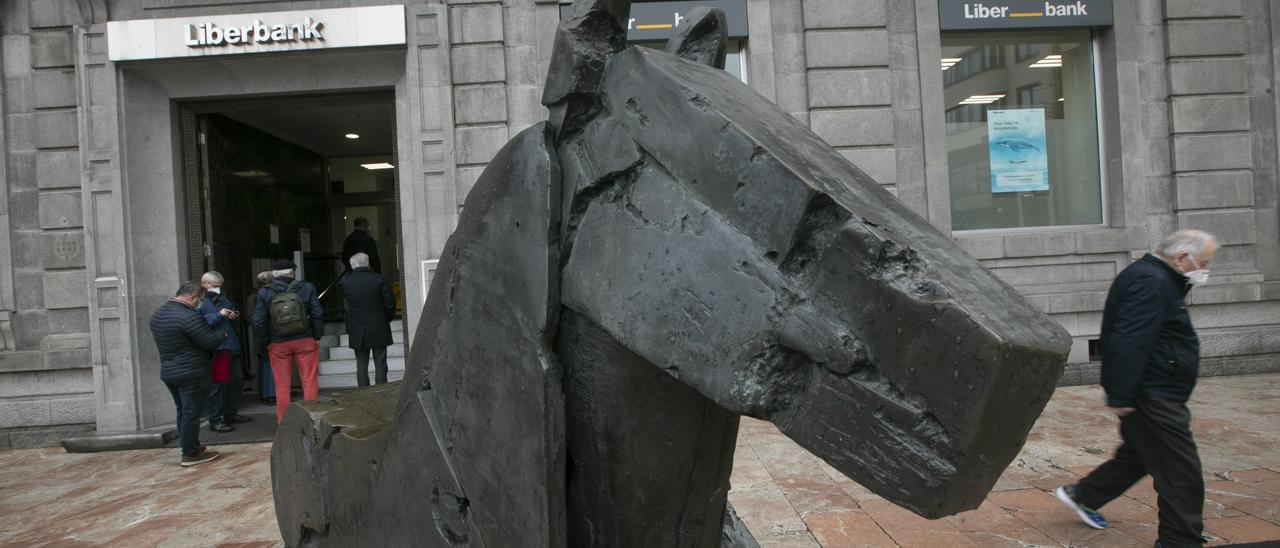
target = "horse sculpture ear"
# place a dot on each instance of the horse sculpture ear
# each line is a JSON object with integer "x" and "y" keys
{"x": 702, "y": 37}
{"x": 594, "y": 32}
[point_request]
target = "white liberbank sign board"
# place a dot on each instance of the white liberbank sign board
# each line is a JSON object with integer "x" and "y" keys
{"x": 255, "y": 33}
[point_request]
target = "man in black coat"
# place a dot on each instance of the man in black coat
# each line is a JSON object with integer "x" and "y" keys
{"x": 1150, "y": 360}
{"x": 186, "y": 344}
{"x": 359, "y": 241}
{"x": 370, "y": 307}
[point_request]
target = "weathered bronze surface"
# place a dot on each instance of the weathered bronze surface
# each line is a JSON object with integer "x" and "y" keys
{"x": 668, "y": 252}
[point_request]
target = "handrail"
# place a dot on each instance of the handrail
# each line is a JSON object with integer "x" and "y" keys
{"x": 335, "y": 282}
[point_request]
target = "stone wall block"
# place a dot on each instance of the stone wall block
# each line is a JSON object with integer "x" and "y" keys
{"x": 56, "y": 129}
{"x": 72, "y": 410}
{"x": 881, "y": 164}
{"x": 1207, "y": 38}
{"x": 51, "y": 48}
{"x": 478, "y": 64}
{"x": 480, "y": 104}
{"x": 475, "y": 23}
{"x": 827, "y": 14}
{"x": 847, "y": 48}
{"x": 20, "y": 413}
{"x": 478, "y": 145}
{"x": 1202, "y": 76}
{"x": 1197, "y": 114}
{"x": 16, "y": 54}
{"x": 1215, "y": 190}
{"x": 60, "y": 210}
{"x": 1110, "y": 240}
{"x": 846, "y": 88}
{"x": 43, "y": 383}
{"x": 32, "y": 323}
{"x": 1203, "y": 152}
{"x": 54, "y": 88}
{"x": 1039, "y": 244}
{"x": 69, "y": 289}
{"x": 1191, "y": 9}
{"x": 982, "y": 247}
{"x": 52, "y": 13}
{"x": 68, "y": 320}
{"x": 61, "y": 250}
{"x": 25, "y": 249}
{"x": 856, "y": 127}
{"x": 58, "y": 169}
{"x": 1234, "y": 227}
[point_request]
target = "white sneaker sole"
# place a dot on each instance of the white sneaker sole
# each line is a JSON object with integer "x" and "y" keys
{"x": 1061, "y": 493}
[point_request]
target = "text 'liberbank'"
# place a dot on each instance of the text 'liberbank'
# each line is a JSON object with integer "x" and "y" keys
{"x": 979, "y": 11}
{"x": 209, "y": 34}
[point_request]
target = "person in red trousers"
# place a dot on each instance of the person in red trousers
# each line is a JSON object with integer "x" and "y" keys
{"x": 290, "y": 315}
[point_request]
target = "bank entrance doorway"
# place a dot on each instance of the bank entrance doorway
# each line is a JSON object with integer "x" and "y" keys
{"x": 289, "y": 178}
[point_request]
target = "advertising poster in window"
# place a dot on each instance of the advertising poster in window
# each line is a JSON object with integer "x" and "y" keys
{"x": 1019, "y": 160}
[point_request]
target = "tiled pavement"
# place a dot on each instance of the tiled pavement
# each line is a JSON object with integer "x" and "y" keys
{"x": 784, "y": 495}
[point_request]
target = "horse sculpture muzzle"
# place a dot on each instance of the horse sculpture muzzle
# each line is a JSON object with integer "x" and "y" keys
{"x": 669, "y": 252}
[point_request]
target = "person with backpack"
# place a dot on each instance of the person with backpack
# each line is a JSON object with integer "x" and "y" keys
{"x": 290, "y": 313}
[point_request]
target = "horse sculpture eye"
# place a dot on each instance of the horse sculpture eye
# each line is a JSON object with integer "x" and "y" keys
{"x": 668, "y": 252}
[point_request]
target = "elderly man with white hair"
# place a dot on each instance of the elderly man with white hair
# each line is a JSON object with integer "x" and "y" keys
{"x": 370, "y": 306}
{"x": 219, "y": 311}
{"x": 1150, "y": 361}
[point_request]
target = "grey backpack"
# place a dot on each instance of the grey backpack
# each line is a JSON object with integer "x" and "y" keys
{"x": 287, "y": 314}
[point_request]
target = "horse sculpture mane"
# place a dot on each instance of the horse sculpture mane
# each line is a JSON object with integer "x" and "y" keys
{"x": 668, "y": 252}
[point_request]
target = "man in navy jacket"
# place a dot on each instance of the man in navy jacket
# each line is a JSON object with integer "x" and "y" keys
{"x": 186, "y": 345}
{"x": 220, "y": 313}
{"x": 1150, "y": 361}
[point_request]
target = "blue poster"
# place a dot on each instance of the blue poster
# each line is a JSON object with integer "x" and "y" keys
{"x": 1019, "y": 160}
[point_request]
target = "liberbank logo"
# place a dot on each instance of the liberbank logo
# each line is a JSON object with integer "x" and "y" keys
{"x": 200, "y": 35}
{"x": 979, "y": 11}
{"x": 1011, "y": 14}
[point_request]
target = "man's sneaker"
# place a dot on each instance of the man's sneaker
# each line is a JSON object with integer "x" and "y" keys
{"x": 221, "y": 427}
{"x": 204, "y": 456}
{"x": 1093, "y": 519}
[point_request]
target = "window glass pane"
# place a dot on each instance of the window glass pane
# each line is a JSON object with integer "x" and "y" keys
{"x": 1022, "y": 129}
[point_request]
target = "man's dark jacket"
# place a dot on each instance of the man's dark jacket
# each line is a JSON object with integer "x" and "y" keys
{"x": 370, "y": 307}
{"x": 1149, "y": 348}
{"x": 306, "y": 292}
{"x": 186, "y": 343}
{"x": 211, "y": 308}
{"x": 359, "y": 241}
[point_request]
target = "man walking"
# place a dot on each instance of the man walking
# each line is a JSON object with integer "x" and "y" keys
{"x": 220, "y": 313}
{"x": 359, "y": 241}
{"x": 186, "y": 345}
{"x": 293, "y": 319}
{"x": 370, "y": 307}
{"x": 1150, "y": 360}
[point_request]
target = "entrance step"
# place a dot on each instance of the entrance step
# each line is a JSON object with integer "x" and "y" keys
{"x": 397, "y": 337}
{"x": 344, "y": 353}
{"x": 348, "y": 380}
{"x": 339, "y": 367}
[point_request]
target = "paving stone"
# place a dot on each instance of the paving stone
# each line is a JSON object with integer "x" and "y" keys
{"x": 1243, "y": 529}
{"x": 847, "y": 528}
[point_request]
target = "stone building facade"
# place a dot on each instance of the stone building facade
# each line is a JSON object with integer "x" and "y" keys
{"x": 92, "y": 220}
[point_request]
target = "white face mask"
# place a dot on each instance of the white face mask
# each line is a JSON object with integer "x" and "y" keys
{"x": 215, "y": 290}
{"x": 1199, "y": 276}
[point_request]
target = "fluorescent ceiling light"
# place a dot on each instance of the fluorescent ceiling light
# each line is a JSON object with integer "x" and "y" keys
{"x": 1049, "y": 61}
{"x": 1061, "y": 99}
{"x": 352, "y": 136}
{"x": 982, "y": 99}
{"x": 947, "y": 62}
{"x": 380, "y": 165}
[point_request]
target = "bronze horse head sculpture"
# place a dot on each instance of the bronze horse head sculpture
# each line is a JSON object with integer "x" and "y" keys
{"x": 669, "y": 252}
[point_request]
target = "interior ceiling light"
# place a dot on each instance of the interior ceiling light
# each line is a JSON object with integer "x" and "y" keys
{"x": 1049, "y": 61}
{"x": 982, "y": 99}
{"x": 379, "y": 165}
{"x": 948, "y": 62}
{"x": 352, "y": 136}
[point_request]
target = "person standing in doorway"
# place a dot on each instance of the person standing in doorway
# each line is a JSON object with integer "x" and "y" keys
{"x": 293, "y": 319}
{"x": 370, "y": 307}
{"x": 359, "y": 241}
{"x": 220, "y": 313}
{"x": 186, "y": 343}
{"x": 1150, "y": 361}
{"x": 258, "y": 342}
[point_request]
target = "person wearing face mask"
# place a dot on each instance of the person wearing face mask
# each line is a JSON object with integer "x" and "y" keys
{"x": 220, "y": 313}
{"x": 1150, "y": 361}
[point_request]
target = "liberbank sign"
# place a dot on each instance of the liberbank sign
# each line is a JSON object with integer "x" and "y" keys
{"x": 255, "y": 33}
{"x": 1021, "y": 14}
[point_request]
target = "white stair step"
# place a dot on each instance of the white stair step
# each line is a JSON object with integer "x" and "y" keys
{"x": 348, "y": 380}
{"x": 328, "y": 341}
{"x": 397, "y": 337}
{"x": 344, "y": 353}
{"x": 334, "y": 328}
{"x": 337, "y": 367}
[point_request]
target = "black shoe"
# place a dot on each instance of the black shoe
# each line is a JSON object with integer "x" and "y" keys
{"x": 238, "y": 419}
{"x": 221, "y": 427}
{"x": 269, "y": 400}
{"x": 203, "y": 457}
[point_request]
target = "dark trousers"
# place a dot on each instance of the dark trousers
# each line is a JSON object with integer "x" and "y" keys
{"x": 224, "y": 398}
{"x": 379, "y": 364}
{"x": 1157, "y": 441}
{"x": 189, "y": 396}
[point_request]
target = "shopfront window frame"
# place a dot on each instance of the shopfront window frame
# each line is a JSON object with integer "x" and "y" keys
{"x": 1095, "y": 47}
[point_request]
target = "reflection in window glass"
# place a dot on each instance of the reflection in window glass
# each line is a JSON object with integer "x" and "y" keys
{"x": 1022, "y": 129}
